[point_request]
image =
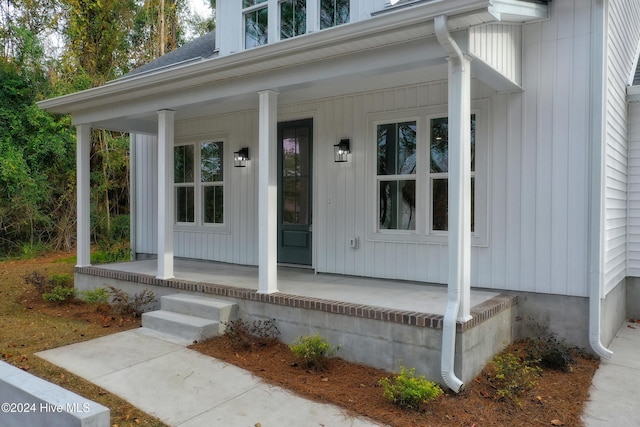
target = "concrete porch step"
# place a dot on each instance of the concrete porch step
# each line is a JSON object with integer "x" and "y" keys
{"x": 181, "y": 325}
{"x": 190, "y": 317}
{"x": 198, "y": 306}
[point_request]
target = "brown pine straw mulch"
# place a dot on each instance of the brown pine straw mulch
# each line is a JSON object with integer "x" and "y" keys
{"x": 558, "y": 398}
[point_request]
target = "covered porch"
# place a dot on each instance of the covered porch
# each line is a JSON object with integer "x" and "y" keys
{"x": 383, "y": 323}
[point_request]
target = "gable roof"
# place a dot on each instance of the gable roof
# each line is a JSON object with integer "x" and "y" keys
{"x": 203, "y": 47}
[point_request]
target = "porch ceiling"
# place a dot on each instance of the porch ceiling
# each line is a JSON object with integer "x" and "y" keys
{"x": 389, "y": 50}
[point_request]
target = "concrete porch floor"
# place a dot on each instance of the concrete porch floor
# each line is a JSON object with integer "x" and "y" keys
{"x": 389, "y": 294}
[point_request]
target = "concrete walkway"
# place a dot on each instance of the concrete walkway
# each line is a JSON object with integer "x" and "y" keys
{"x": 184, "y": 388}
{"x": 614, "y": 397}
{"x": 159, "y": 375}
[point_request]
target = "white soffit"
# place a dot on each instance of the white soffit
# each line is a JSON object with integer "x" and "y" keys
{"x": 518, "y": 10}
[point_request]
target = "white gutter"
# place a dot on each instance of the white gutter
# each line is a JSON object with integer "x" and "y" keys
{"x": 459, "y": 246}
{"x": 597, "y": 174}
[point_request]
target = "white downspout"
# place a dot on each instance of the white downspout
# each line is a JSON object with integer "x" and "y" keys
{"x": 459, "y": 201}
{"x": 597, "y": 174}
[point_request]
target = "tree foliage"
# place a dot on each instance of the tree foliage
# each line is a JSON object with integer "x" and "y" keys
{"x": 100, "y": 41}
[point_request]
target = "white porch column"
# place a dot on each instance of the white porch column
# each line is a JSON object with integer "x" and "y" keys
{"x": 460, "y": 182}
{"x": 83, "y": 188}
{"x": 268, "y": 193}
{"x": 165, "y": 194}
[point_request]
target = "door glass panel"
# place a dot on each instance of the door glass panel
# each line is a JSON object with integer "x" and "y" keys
{"x": 295, "y": 176}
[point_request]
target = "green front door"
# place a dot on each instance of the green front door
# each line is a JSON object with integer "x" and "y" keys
{"x": 294, "y": 192}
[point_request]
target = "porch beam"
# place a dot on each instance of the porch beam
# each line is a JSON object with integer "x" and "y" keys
{"x": 166, "y": 204}
{"x": 83, "y": 188}
{"x": 268, "y": 193}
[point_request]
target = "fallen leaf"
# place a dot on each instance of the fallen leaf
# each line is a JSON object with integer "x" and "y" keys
{"x": 556, "y": 422}
{"x": 257, "y": 425}
{"x": 631, "y": 327}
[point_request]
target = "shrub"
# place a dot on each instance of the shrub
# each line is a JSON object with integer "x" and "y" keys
{"x": 61, "y": 280}
{"x": 60, "y": 294}
{"x": 38, "y": 281}
{"x": 127, "y": 305}
{"x": 550, "y": 351}
{"x": 96, "y": 296}
{"x": 408, "y": 391}
{"x": 110, "y": 256}
{"x": 314, "y": 350}
{"x": 513, "y": 376}
{"x": 245, "y": 336}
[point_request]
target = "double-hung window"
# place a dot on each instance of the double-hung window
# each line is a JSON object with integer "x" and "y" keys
{"x": 410, "y": 175}
{"x": 334, "y": 12}
{"x": 199, "y": 183}
{"x": 293, "y": 18}
{"x": 439, "y": 171}
{"x": 396, "y": 175}
{"x": 256, "y": 23}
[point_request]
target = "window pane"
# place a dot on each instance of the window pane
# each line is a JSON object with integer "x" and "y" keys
{"x": 183, "y": 162}
{"x": 213, "y": 204}
{"x": 293, "y": 18}
{"x": 249, "y": 3}
{"x": 397, "y": 205}
{"x": 440, "y": 205}
{"x": 211, "y": 169}
{"x": 333, "y": 12}
{"x": 439, "y": 149}
{"x": 397, "y": 149}
{"x": 295, "y": 176}
{"x": 184, "y": 204}
{"x": 255, "y": 28}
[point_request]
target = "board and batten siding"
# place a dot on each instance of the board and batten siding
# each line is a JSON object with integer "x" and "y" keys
{"x": 633, "y": 225}
{"x": 500, "y": 47}
{"x": 146, "y": 192}
{"x": 622, "y": 46}
{"x": 537, "y": 174}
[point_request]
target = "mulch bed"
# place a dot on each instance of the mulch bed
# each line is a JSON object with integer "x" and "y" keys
{"x": 558, "y": 398}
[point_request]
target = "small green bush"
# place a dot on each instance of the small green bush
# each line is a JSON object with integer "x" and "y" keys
{"x": 96, "y": 296}
{"x": 110, "y": 255}
{"x": 60, "y": 294}
{"x": 61, "y": 280}
{"x": 408, "y": 391}
{"x": 513, "y": 376}
{"x": 314, "y": 350}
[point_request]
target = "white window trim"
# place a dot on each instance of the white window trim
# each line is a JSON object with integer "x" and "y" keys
{"x": 423, "y": 232}
{"x": 227, "y": 160}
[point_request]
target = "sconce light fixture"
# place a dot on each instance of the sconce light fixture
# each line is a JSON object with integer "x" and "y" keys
{"x": 341, "y": 150}
{"x": 240, "y": 157}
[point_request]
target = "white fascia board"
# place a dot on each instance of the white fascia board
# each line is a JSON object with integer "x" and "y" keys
{"x": 633, "y": 93}
{"x": 518, "y": 10}
{"x": 337, "y": 41}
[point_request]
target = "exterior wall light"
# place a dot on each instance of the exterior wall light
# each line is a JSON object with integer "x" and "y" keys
{"x": 240, "y": 157}
{"x": 341, "y": 150}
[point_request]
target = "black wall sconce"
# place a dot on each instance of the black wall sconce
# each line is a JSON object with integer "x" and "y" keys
{"x": 240, "y": 157}
{"x": 341, "y": 150}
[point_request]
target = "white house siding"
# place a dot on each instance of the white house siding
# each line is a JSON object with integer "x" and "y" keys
{"x": 537, "y": 174}
{"x": 633, "y": 226}
{"x": 499, "y": 46}
{"x": 623, "y": 37}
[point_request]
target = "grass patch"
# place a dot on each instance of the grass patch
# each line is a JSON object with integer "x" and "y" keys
{"x": 31, "y": 325}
